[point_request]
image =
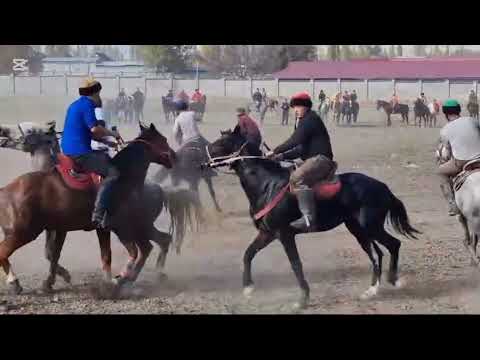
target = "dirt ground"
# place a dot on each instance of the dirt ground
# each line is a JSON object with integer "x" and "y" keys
{"x": 206, "y": 277}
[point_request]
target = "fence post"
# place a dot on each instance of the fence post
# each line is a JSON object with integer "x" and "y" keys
{"x": 145, "y": 86}
{"x": 118, "y": 83}
{"x": 447, "y": 82}
{"x": 66, "y": 83}
{"x": 172, "y": 82}
{"x": 13, "y": 83}
{"x": 224, "y": 87}
{"x": 339, "y": 85}
{"x": 277, "y": 83}
{"x": 40, "y": 83}
{"x": 366, "y": 90}
{"x": 312, "y": 86}
{"x": 420, "y": 82}
{"x": 394, "y": 86}
{"x": 475, "y": 84}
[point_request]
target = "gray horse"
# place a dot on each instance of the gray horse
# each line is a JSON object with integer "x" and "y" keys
{"x": 42, "y": 144}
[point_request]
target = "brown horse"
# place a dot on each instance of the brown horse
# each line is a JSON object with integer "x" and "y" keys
{"x": 39, "y": 201}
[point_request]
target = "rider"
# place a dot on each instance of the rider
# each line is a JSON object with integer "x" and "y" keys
{"x": 197, "y": 96}
{"x": 81, "y": 126}
{"x": 321, "y": 96}
{"x": 285, "y": 111}
{"x": 170, "y": 95}
{"x": 248, "y": 127}
{"x": 463, "y": 136}
{"x": 423, "y": 98}
{"x": 257, "y": 96}
{"x": 311, "y": 142}
{"x": 394, "y": 101}
{"x": 353, "y": 96}
{"x": 185, "y": 128}
{"x": 472, "y": 97}
{"x": 346, "y": 96}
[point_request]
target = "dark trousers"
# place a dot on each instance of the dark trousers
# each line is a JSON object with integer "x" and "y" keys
{"x": 285, "y": 117}
{"x": 99, "y": 163}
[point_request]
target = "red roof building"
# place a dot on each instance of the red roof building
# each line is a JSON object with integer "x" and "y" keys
{"x": 465, "y": 68}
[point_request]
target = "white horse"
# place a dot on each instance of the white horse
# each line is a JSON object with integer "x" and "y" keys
{"x": 323, "y": 109}
{"x": 467, "y": 197}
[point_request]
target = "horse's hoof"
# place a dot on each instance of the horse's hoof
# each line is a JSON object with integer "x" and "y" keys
{"x": 161, "y": 277}
{"x": 248, "y": 291}
{"x": 14, "y": 288}
{"x": 371, "y": 292}
{"x": 67, "y": 278}
{"x": 119, "y": 280}
{"x": 301, "y": 304}
{"x": 400, "y": 283}
{"x": 47, "y": 287}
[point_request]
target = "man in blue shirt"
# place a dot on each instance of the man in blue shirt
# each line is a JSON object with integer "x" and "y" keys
{"x": 80, "y": 128}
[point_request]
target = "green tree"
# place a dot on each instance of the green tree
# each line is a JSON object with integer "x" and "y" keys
{"x": 399, "y": 50}
{"x": 346, "y": 52}
{"x": 391, "y": 51}
{"x": 419, "y": 50}
{"x": 170, "y": 58}
{"x": 333, "y": 52}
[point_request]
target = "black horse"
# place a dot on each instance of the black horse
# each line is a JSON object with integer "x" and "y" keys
{"x": 362, "y": 205}
{"x": 168, "y": 109}
{"x": 346, "y": 111}
{"x": 402, "y": 109}
{"x": 420, "y": 109}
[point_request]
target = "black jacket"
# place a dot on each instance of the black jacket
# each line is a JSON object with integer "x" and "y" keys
{"x": 309, "y": 139}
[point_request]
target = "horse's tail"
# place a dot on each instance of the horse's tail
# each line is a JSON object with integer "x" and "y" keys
{"x": 179, "y": 204}
{"x": 399, "y": 218}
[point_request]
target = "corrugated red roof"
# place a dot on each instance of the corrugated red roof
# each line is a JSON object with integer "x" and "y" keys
{"x": 399, "y": 68}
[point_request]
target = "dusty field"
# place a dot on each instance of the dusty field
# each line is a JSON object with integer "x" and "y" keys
{"x": 206, "y": 277}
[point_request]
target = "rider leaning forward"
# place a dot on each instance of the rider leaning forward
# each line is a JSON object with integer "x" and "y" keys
{"x": 462, "y": 134}
{"x": 81, "y": 127}
{"x": 311, "y": 143}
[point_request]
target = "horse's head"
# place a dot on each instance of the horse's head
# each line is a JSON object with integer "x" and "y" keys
{"x": 228, "y": 143}
{"x": 161, "y": 153}
{"x": 379, "y": 104}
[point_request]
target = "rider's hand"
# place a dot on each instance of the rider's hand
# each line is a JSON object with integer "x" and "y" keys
{"x": 269, "y": 154}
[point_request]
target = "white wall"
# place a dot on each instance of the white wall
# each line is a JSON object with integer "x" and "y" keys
{"x": 238, "y": 88}
{"x": 5, "y": 85}
{"x": 380, "y": 89}
{"x": 290, "y": 87}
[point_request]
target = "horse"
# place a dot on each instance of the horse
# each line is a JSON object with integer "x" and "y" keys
{"x": 189, "y": 157}
{"x": 421, "y": 111}
{"x": 336, "y": 107}
{"x": 472, "y": 108}
{"x": 346, "y": 110}
{"x": 323, "y": 110}
{"x": 355, "y": 108}
{"x": 433, "y": 112}
{"x": 43, "y": 147}
{"x": 402, "y": 109}
{"x": 361, "y": 203}
{"x": 271, "y": 104}
{"x": 39, "y": 201}
{"x": 121, "y": 108}
{"x": 467, "y": 197}
{"x": 168, "y": 109}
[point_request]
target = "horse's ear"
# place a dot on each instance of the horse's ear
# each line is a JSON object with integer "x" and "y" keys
{"x": 142, "y": 126}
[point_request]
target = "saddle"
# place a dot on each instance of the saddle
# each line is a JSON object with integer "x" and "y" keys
{"x": 74, "y": 177}
{"x": 469, "y": 168}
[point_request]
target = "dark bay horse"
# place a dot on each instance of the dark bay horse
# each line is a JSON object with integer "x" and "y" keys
{"x": 42, "y": 143}
{"x": 363, "y": 204}
{"x": 472, "y": 108}
{"x": 402, "y": 109}
{"x": 421, "y": 111}
{"x": 39, "y": 201}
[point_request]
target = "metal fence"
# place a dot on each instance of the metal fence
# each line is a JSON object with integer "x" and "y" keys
{"x": 155, "y": 87}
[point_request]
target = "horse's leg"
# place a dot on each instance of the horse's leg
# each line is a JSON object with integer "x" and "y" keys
{"x": 145, "y": 247}
{"x": 468, "y": 241}
{"x": 367, "y": 245}
{"x": 287, "y": 239}
{"x": 163, "y": 240}
{"x": 105, "y": 253}
{"x": 393, "y": 246}
{"x": 13, "y": 241}
{"x": 53, "y": 248}
{"x": 261, "y": 241}
{"x": 125, "y": 238}
{"x": 50, "y": 244}
{"x": 208, "y": 180}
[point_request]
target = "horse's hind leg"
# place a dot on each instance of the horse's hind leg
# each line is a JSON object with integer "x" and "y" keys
{"x": 470, "y": 241}
{"x": 163, "y": 240}
{"x": 53, "y": 248}
{"x": 260, "y": 242}
{"x": 208, "y": 180}
{"x": 50, "y": 244}
{"x": 393, "y": 246}
{"x": 288, "y": 241}
{"x": 105, "y": 253}
{"x": 368, "y": 246}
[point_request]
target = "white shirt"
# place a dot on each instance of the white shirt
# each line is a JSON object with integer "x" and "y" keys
{"x": 464, "y": 137}
{"x": 185, "y": 127}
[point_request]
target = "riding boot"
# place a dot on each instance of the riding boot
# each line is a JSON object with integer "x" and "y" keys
{"x": 100, "y": 216}
{"x": 307, "y": 205}
{"x": 449, "y": 195}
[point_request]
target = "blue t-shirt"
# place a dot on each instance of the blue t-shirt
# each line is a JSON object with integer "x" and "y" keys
{"x": 77, "y": 134}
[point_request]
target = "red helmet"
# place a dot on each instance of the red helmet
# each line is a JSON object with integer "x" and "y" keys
{"x": 301, "y": 99}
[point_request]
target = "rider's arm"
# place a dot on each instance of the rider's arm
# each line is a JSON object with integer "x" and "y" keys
{"x": 299, "y": 137}
{"x": 98, "y": 132}
{"x": 292, "y": 154}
